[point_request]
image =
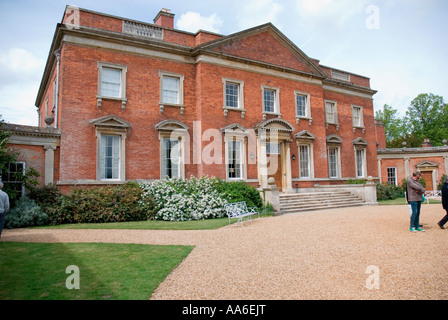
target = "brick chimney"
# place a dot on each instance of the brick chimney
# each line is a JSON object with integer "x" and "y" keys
{"x": 426, "y": 143}
{"x": 165, "y": 18}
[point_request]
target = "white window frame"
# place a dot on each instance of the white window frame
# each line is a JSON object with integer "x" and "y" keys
{"x": 240, "y": 99}
{"x": 239, "y": 162}
{"x": 2, "y": 179}
{"x": 180, "y": 93}
{"x": 338, "y": 161}
{"x": 360, "y": 121}
{"x": 121, "y": 160}
{"x": 163, "y": 157}
{"x": 360, "y": 166}
{"x": 394, "y": 176}
{"x": 333, "y": 121}
{"x": 122, "y": 91}
{"x": 307, "y": 115}
{"x": 310, "y": 160}
{"x": 276, "y": 100}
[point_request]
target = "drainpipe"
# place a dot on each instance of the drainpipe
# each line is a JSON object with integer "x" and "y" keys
{"x": 57, "y": 53}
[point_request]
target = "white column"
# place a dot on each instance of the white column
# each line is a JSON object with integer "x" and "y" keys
{"x": 262, "y": 163}
{"x": 287, "y": 162}
{"x": 49, "y": 163}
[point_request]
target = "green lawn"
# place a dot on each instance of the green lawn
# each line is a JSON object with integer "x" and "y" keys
{"x": 402, "y": 201}
{"x": 37, "y": 271}
{"x": 204, "y": 224}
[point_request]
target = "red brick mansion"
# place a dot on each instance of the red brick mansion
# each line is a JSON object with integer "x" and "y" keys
{"x": 124, "y": 100}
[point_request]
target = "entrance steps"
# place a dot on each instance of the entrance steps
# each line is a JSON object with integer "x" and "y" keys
{"x": 319, "y": 200}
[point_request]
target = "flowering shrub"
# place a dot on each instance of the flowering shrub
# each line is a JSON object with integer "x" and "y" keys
{"x": 190, "y": 199}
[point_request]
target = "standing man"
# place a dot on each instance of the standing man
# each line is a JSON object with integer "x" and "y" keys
{"x": 444, "y": 203}
{"x": 4, "y": 206}
{"x": 414, "y": 192}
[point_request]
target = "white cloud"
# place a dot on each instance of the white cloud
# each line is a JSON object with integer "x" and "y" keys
{"x": 256, "y": 12}
{"x": 20, "y": 74}
{"x": 17, "y": 103}
{"x": 17, "y": 62}
{"x": 193, "y": 22}
{"x": 329, "y": 12}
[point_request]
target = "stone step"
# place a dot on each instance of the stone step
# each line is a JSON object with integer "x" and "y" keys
{"x": 309, "y": 201}
{"x": 314, "y": 208}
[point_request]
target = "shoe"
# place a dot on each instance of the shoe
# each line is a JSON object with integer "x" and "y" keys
{"x": 412, "y": 230}
{"x": 440, "y": 225}
{"x": 419, "y": 229}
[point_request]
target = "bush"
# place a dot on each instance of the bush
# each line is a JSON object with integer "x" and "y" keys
{"x": 388, "y": 192}
{"x": 182, "y": 200}
{"x": 100, "y": 204}
{"x": 26, "y": 213}
{"x": 240, "y": 191}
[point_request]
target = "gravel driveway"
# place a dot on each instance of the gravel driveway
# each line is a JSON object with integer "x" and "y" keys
{"x": 315, "y": 255}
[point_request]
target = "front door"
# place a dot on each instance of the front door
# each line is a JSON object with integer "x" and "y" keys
{"x": 427, "y": 176}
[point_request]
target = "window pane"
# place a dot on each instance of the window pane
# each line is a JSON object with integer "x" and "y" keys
{"x": 329, "y": 107}
{"x": 272, "y": 148}
{"x": 110, "y": 157}
{"x": 304, "y": 161}
{"x": 232, "y": 93}
{"x": 111, "y": 82}
{"x": 269, "y": 100}
{"x": 392, "y": 176}
{"x": 357, "y": 117}
{"x": 359, "y": 163}
{"x": 301, "y": 105}
{"x": 170, "y": 92}
{"x": 235, "y": 161}
{"x": 333, "y": 162}
{"x": 171, "y": 158}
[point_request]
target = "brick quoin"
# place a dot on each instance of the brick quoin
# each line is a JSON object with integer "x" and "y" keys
{"x": 260, "y": 56}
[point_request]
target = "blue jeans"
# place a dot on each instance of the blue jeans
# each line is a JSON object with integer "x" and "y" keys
{"x": 415, "y": 216}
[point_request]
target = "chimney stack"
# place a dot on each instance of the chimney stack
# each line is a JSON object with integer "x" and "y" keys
{"x": 165, "y": 18}
{"x": 426, "y": 143}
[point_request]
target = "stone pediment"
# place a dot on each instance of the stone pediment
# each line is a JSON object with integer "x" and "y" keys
{"x": 171, "y": 125}
{"x": 334, "y": 139}
{"x": 265, "y": 44}
{"x": 359, "y": 142}
{"x": 112, "y": 122}
{"x": 234, "y": 128}
{"x": 304, "y": 135}
{"x": 275, "y": 124}
{"x": 426, "y": 164}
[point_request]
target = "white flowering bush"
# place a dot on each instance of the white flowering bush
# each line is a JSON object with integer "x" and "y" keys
{"x": 190, "y": 199}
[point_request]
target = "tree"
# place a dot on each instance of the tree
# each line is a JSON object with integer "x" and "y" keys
{"x": 393, "y": 125}
{"x": 427, "y": 117}
{"x": 6, "y": 156}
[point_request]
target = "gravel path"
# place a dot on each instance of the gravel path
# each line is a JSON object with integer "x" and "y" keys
{"x": 314, "y": 255}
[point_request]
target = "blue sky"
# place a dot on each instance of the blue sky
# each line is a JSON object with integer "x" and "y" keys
{"x": 400, "y": 44}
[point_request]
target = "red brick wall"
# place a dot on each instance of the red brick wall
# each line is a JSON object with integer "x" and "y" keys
{"x": 33, "y": 156}
{"x": 203, "y": 99}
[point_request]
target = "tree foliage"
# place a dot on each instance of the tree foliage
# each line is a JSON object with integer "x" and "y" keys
{"x": 426, "y": 117}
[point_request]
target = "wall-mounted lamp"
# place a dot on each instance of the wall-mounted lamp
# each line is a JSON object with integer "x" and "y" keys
{"x": 293, "y": 156}
{"x": 252, "y": 155}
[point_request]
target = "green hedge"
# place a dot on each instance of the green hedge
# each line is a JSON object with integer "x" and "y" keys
{"x": 95, "y": 204}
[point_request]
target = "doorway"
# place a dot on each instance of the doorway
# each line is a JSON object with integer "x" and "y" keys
{"x": 427, "y": 176}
